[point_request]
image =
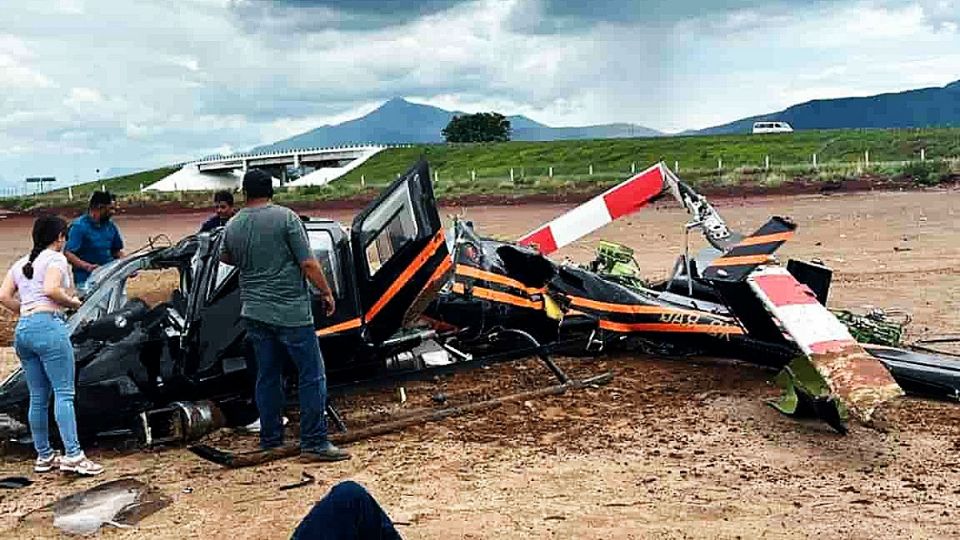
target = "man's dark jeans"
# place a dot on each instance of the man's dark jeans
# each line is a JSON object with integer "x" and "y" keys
{"x": 348, "y": 512}
{"x": 271, "y": 346}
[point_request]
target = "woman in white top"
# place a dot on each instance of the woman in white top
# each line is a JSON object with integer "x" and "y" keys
{"x": 39, "y": 287}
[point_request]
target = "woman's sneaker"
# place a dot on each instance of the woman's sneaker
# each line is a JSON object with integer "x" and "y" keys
{"x": 80, "y": 465}
{"x": 43, "y": 465}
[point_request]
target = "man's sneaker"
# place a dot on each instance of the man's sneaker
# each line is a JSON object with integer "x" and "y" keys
{"x": 325, "y": 454}
{"x": 254, "y": 427}
{"x": 43, "y": 465}
{"x": 80, "y": 465}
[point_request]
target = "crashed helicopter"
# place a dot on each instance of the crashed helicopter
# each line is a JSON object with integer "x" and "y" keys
{"x": 173, "y": 371}
{"x": 732, "y": 299}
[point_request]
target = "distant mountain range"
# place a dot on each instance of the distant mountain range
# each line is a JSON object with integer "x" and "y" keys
{"x": 925, "y": 107}
{"x": 399, "y": 121}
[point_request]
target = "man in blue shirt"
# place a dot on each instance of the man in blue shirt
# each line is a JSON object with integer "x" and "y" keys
{"x": 94, "y": 239}
{"x": 223, "y": 202}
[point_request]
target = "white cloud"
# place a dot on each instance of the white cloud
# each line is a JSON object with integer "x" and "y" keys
{"x": 69, "y": 7}
{"x": 186, "y": 62}
{"x": 82, "y": 95}
{"x": 174, "y": 82}
{"x": 15, "y": 70}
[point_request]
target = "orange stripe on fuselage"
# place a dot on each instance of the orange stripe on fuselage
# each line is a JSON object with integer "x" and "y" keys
{"x": 476, "y": 273}
{"x": 342, "y": 327}
{"x": 671, "y": 328}
{"x": 628, "y": 308}
{"x": 497, "y": 296}
{"x": 406, "y": 275}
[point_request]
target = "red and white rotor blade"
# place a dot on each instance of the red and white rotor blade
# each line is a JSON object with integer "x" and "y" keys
{"x": 623, "y": 199}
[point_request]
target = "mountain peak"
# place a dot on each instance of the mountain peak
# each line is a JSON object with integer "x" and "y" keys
{"x": 395, "y": 103}
{"x": 400, "y": 121}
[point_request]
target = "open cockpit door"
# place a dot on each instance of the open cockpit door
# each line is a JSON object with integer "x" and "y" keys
{"x": 400, "y": 255}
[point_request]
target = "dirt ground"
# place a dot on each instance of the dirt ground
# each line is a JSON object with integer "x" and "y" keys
{"x": 669, "y": 449}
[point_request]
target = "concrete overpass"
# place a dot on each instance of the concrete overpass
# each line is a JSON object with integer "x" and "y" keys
{"x": 319, "y": 166}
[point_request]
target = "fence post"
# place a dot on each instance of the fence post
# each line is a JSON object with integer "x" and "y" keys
{"x": 70, "y": 192}
{"x": 103, "y": 187}
{"x": 814, "y": 160}
{"x": 436, "y": 176}
{"x": 923, "y": 154}
{"x": 866, "y": 158}
{"x": 473, "y": 175}
{"x": 766, "y": 163}
{"x": 511, "y": 175}
{"x": 363, "y": 180}
{"x": 719, "y": 164}
{"x": 550, "y": 171}
{"x": 676, "y": 167}
{"x": 633, "y": 167}
{"x": 591, "y": 169}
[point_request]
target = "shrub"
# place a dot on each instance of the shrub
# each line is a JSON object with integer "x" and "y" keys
{"x": 925, "y": 173}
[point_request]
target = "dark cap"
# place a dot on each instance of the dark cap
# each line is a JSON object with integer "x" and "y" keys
{"x": 257, "y": 184}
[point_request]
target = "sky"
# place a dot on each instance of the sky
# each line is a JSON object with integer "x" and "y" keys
{"x": 93, "y": 84}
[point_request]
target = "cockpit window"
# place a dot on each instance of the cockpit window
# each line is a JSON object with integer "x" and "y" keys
{"x": 391, "y": 226}
{"x": 321, "y": 243}
{"x": 224, "y": 271}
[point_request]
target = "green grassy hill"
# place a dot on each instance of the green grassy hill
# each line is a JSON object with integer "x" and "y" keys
{"x": 466, "y": 169}
{"x": 840, "y": 154}
{"x": 692, "y": 153}
{"x": 120, "y": 184}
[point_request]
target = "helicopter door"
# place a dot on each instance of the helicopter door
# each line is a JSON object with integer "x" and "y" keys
{"x": 399, "y": 252}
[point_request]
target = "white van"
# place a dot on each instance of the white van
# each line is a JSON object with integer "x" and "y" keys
{"x": 771, "y": 127}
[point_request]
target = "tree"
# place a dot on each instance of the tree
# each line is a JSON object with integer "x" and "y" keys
{"x": 480, "y": 127}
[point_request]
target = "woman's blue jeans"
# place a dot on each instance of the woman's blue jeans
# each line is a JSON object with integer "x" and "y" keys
{"x": 42, "y": 342}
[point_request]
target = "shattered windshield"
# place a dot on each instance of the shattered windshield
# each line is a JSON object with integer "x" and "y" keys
{"x": 110, "y": 293}
{"x": 151, "y": 277}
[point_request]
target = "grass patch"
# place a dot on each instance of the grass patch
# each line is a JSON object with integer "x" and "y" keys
{"x": 565, "y": 166}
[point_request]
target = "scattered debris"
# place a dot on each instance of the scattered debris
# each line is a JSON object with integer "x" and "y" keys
{"x": 258, "y": 457}
{"x": 732, "y": 299}
{"x": 306, "y": 479}
{"x": 120, "y": 503}
{"x": 15, "y": 482}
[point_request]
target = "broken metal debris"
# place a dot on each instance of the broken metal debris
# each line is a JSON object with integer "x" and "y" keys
{"x": 15, "y": 482}
{"x": 248, "y": 459}
{"x": 306, "y": 479}
{"x": 121, "y": 503}
{"x": 876, "y": 327}
{"x": 713, "y": 303}
{"x": 172, "y": 372}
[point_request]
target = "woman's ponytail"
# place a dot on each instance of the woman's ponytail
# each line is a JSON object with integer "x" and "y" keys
{"x": 28, "y": 268}
{"x": 46, "y": 230}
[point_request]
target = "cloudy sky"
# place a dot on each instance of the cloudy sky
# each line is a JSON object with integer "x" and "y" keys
{"x": 87, "y": 84}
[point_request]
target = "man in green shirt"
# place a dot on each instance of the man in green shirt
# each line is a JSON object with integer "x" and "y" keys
{"x": 268, "y": 244}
